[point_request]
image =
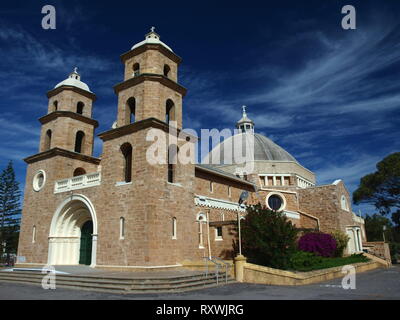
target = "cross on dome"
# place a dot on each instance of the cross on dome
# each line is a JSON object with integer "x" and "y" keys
{"x": 74, "y": 74}
{"x": 245, "y": 124}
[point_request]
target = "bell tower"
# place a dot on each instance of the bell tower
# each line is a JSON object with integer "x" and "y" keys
{"x": 150, "y": 88}
{"x": 68, "y": 124}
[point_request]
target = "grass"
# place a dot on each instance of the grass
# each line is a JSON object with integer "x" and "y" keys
{"x": 324, "y": 263}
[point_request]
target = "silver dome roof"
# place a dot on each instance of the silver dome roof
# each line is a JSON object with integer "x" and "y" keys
{"x": 264, "y": 149}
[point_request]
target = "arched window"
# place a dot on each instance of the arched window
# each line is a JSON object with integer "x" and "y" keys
{"x": 343, "y": 203}
{"x": 79, "y": 172}
{"x": 121, "y": 228}
{"x": 34, "y": 234}
{"x": 55, "y": 105}
{"x": 167, "y": 70}
{"x": 79, "y": 140}
{"x": 130, "y": 110}
{"x": 47, "y": 140}
{"x": 172, "y": 161}
{"x": 201, "y": 219}
{"x": 136, "y": 69}
{"x": 169, "y": 111}
{"x": 126, "y": 150}
{"x": 79, "y": 107}
{"x": 173, "y": 228}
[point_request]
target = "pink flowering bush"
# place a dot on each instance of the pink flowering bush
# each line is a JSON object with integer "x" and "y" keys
{"x": 321, "y": 244}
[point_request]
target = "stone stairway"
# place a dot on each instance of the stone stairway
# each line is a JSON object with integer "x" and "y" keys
{"x": 125, "y": 284}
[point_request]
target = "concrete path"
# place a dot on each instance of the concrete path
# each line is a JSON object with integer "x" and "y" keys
{"x": 372, "y": 285}
{"x": 88, "y": 271}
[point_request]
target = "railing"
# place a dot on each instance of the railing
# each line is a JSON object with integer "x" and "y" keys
{"x": 227, "y": 266}
{"x": 79, "y": 182}
{"x": 217, "y": 266}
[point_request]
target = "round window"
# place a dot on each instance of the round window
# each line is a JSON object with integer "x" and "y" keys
{"x": 39, "y": 180}
{"x": 275, "y": 202}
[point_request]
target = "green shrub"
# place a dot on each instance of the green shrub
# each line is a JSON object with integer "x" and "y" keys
{"x": 301, "y": 260}
{"x": 395, "y": 251}
{"x": 341, "y": 242}
{"x": 268, "y": 237}
{"x": 305, "y": 261}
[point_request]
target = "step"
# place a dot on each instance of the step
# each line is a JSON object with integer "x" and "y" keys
{"x": 121, "y": 285}
{"x": 132, "y": 284}
{"x": 122, "y": 280}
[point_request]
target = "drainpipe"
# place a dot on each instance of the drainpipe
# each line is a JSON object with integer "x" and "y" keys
{"x": 208, "y": 234}
{"x": 310, "y": 216}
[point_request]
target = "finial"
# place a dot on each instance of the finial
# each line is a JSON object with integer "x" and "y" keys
{"x": 244, "y": 110}
{"x": 152, "y": 29}
{"x": 76, "y": 69}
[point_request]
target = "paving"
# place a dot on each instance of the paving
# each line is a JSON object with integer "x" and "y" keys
{"x": 373, "y": 285}
{"x": 88, "y": 271}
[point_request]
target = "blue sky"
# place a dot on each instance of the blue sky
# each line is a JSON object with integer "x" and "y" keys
{"x": 329, "y": 96}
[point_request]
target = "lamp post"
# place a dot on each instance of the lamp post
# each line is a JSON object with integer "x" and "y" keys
{"x": 384, "y": 229}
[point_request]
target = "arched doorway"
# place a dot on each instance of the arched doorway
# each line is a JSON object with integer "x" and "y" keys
{"x": 73, "y": 233}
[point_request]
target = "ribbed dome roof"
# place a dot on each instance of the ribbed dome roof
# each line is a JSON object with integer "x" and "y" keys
{"x": 264, "y": 149}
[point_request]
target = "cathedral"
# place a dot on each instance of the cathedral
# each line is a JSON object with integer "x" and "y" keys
{"x": 120, "y": 211}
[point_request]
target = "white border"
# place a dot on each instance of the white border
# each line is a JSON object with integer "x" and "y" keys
{"x": 283, "y": 206}
{"x": 35, "y": 180}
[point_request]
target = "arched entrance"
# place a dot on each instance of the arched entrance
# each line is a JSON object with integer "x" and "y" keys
{"x": 73, "y": 233}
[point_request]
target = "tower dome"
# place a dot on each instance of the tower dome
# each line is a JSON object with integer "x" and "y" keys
{"x": 74, "y": 80}
{"x": 151, "y": 38}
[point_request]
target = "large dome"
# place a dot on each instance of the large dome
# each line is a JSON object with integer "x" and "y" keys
{"x": 264, "y": 149}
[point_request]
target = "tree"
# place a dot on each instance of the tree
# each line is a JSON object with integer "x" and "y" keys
{"x": 381, "y": 188}
{"x": 10, "y": 211}
{"x": 268, "y": 237}
{"x": 374, "y": 227}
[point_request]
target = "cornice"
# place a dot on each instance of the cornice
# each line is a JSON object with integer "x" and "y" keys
{"x": 154, "y": 46}
{"x": 85, "y": 93}
{"x": 61, "y": 152}
{"x": 150, "y": 77}
{"x": 69, "y": 114}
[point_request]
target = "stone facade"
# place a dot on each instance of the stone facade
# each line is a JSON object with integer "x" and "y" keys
{"x": 141, "y": 218}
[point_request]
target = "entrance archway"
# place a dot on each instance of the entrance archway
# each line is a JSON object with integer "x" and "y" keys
{"x": 73, "y": 233}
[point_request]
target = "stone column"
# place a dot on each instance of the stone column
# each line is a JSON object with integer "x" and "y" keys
{"x": 240, "y": 261}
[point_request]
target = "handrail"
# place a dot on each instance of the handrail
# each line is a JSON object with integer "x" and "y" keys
{"x": 217, "y": 265}
{"x": 227, "y": 266}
